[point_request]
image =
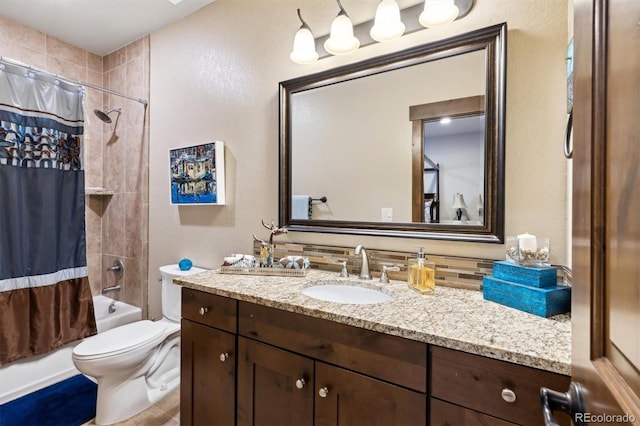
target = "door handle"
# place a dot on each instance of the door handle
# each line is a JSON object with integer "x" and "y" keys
{"x": 569, "y": 402}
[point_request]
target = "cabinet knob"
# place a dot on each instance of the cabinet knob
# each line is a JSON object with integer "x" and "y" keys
{"x": 224, "y": 356}
{"x": 300, "y": 383}
{"x": 323, "y": 392}
{"x": 508, "y": 395}
{"x": 203, "y": 310}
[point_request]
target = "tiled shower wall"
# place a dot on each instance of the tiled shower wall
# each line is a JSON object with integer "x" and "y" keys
{"x": 118, "y": 161}
{"x": 126, "y": 172}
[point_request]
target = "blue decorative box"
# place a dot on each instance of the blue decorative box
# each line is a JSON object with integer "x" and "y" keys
{"x": 535, "y": 276}
{"x": 541, "y": 301}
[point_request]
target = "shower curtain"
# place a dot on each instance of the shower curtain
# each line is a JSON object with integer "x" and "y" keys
{"x": 45, "y": 298}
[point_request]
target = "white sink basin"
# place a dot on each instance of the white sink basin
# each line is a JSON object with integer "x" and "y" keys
{"x": 341, "y": 292}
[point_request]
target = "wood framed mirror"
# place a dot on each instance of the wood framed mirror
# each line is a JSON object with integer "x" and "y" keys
{"x": 354, "y": 136}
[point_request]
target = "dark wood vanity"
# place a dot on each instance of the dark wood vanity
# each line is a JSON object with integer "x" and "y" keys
{"x": 248, "y": 364}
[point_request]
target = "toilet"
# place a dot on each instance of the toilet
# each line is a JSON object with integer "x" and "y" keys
{"x": 137, "y": 364}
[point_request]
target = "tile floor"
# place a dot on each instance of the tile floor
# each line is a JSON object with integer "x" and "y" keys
{"x": 164, "y": 413}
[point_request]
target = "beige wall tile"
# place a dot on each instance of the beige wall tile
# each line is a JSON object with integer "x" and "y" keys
{"x": 135, "y": 49}
{"x": 95, "y": 78}
{"x": 21, "y": 35}
{"x": 94, "y": 62}
{"x": 133, "y": 277}
{"x": 94, "y": 266}
{"x": 65, "y": 68}
{"x": 113, "y": 229}
{"x": 65, "y": 51}
{"x": 133, "y": 223}
{"x": 114, "y": 160}
{"x": 33, "y": 57}
{"x": 135, "y": 81}
{"x": 136, "y": 159}
{"x": 93, "y": 220}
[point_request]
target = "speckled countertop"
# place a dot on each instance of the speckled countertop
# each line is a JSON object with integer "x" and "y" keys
{"x": 454, "y": 318}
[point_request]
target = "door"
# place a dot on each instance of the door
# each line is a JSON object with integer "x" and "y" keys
{"x": 207, "y": 388}
{"x": 347, "y": 398}
{"x": 606, "y": 211}
{"x": 275, "y": 387}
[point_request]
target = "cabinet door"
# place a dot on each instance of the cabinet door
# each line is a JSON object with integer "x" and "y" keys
{"x": 445, "y": 414}
{"x": 347, "y": 398}
{"x": 207, "y": 388}
{"x": 275, "y": 387}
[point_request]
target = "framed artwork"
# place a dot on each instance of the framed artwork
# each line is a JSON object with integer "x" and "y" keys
{"x": 197, "y": 174}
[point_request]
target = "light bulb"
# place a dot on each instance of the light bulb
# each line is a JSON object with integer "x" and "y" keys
{"x": 387, "y": 24}
{"x": 304, "y": 45}
{"x": 438, "y": 12}
{"x": 341, "y": 41}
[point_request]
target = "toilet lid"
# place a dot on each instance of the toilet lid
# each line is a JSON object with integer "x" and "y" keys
{"x": 120, "y": 339}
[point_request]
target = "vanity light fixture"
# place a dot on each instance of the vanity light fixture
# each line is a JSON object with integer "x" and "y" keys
{"x": 304, "y": 45}
{"x": 387, "y": 24}
{"x": 445, "y": 120}
{"x": 438, "y": 12}
{"x": 341, "y": 41}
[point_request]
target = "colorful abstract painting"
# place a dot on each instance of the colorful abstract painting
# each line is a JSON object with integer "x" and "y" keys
{"x": 197, "y": 174}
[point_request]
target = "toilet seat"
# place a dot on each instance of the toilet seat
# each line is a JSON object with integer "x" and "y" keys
{"x": 120, "y": 340}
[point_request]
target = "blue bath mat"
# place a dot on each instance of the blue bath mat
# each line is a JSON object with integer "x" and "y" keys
{"x": 71, "y": 402}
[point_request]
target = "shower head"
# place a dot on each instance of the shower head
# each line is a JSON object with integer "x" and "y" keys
{"x": 104, "y": 116}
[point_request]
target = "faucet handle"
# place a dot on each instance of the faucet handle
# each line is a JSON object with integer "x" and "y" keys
{"x": 384, "y": 279}
{"x": 343, "y": 273}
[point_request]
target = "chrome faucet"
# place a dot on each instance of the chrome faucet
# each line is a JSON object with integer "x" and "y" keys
{"x": 364, "y": 270}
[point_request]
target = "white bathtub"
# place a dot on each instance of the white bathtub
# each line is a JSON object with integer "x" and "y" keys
{"x": 28, "y": 375}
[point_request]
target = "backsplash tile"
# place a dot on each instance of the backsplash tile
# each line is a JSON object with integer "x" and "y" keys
{"x": 451, "y": 271}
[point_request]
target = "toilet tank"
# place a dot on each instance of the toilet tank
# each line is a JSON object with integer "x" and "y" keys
{"x": 171, "y": 293}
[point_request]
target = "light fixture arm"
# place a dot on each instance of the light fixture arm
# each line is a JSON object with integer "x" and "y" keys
{"x": 304, "y": 24}
{"x": 342, "y": 11}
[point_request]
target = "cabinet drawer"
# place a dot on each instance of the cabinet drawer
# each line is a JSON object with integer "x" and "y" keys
{"x": 209, "y": 309}
{"x": 478, "y": 383}
{"x": 446, "y": 414}
{"x": 390, "y": 358}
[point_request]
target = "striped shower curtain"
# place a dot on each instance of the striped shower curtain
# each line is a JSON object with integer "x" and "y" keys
{"x": 45, "y": 298}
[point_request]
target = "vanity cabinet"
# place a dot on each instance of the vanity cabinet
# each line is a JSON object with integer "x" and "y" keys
{"x": 351, "y": 375}
{"x": 249, "y": 364}
{"x": 207, "y": 359}
{"x": 500, "y": 389}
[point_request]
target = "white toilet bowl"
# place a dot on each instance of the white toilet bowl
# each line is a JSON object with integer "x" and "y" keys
{"x": 137, "y": 364}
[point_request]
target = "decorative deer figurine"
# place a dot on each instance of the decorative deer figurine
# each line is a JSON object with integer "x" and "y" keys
{"x": 267, "y": 248}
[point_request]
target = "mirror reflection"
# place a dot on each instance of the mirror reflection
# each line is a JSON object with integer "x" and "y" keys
{"x": 368, "y": 140}
{"x": 453, "y": 174}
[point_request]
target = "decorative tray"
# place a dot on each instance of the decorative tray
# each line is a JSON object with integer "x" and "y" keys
{"x": 277, "y": 272}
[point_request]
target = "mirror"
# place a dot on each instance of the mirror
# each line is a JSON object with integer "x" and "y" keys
{"x": 353, "y": 143}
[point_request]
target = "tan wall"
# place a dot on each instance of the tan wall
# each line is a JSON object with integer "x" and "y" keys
{"x": 215, "y": 75}
{"x": 116, "y": 225}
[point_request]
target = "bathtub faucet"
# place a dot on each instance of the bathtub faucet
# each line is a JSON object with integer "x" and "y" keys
{"x": 110, "y": 289}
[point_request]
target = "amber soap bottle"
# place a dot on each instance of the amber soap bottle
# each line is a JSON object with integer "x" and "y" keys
{"x": 422, "y": 274}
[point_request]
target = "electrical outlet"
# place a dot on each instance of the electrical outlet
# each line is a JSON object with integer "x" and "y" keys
{"x": 386, "y": 214}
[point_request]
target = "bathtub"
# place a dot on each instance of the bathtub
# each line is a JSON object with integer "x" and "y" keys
{"x": 28, "y": 375}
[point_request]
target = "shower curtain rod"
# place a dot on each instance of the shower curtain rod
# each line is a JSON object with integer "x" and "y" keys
{"x": 69, "y": 80}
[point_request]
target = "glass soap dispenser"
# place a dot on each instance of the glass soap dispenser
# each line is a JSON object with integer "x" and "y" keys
{"x": 422, "y": 274}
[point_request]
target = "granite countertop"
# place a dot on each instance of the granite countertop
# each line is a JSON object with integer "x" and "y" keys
{"x": 453, "y": 318}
